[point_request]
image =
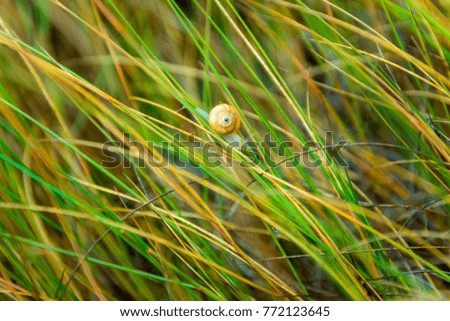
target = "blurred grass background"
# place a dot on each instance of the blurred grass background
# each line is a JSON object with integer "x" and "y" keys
{"x": 75, "y": 75}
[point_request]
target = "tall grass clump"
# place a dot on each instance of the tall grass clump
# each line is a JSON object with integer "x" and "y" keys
{"x": 114, "y": 186}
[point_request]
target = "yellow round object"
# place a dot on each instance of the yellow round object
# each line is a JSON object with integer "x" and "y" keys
{"x": 224, "y": 119}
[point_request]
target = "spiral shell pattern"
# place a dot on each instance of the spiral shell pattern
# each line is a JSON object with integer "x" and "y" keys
{"x": 224, "y": 119}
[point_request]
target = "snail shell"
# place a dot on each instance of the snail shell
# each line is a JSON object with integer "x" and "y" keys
{"x": 224, "y": 119}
